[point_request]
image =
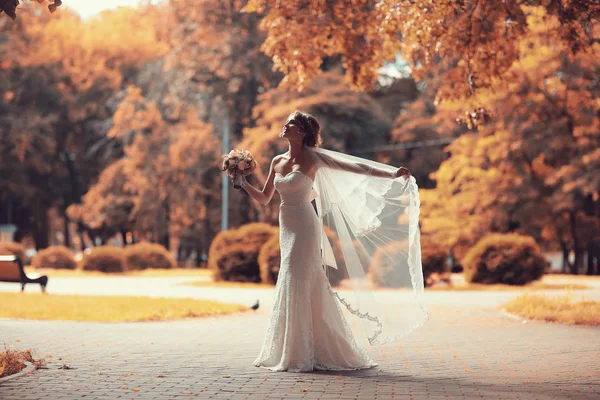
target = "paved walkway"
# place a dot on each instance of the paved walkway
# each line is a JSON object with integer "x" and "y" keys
{"x": 463, "y": 352}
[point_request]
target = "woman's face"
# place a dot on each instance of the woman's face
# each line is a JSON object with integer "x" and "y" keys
{"x": 291, "y": 130}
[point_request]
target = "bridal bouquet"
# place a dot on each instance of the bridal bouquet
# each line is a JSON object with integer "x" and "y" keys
{"x": 238, "y": 163}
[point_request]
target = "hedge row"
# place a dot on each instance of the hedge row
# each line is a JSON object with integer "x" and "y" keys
{"x": 136, "y": 257}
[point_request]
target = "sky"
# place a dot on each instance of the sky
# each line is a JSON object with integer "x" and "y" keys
{"x": 87, "y": 8}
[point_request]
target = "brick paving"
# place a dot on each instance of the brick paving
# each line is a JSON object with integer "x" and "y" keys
{"x": 462, "y": 352}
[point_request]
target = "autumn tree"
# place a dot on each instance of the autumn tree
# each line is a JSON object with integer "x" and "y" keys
{"x": 9, "y": 7}
{"x": 216, "y": 49}
{"x": 534, "y": 168}
{"x": 421, "y": 130}
{"x": 106, "y": 209}
{"x": 479, "y": 37}
{"x": 172, "y": 167}
{"x": 60, "y": 76}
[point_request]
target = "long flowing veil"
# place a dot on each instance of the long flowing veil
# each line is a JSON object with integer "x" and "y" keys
{"x": 370, "y": 236}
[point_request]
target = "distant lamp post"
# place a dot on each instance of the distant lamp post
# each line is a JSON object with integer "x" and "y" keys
{"x": 225, "y": 188}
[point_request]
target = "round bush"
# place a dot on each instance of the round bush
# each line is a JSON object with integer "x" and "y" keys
{"x": 103, "y": 259}
{"x": 504, "y": 258}
{"x": 238, "y": 264}
{"x": 257, "y": 232}
{"x": 434, "y": 259}
{"x": 144, "y": 255}
{"x": 233, "y": 254}
{"x": 388, "y": 271}
{"x": 269, "y": 258}
{"x": 59, "y": 257}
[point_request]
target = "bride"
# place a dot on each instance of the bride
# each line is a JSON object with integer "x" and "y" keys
{"x": 307, "y": 330}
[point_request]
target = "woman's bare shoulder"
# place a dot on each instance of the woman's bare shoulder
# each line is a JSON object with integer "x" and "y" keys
{"x": 278, "y": 158}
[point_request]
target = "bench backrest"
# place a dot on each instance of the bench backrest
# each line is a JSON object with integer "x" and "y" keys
{"x": 9, "y": 270}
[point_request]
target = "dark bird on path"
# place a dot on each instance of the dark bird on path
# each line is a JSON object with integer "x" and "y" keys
{"x": 255, "y": 306}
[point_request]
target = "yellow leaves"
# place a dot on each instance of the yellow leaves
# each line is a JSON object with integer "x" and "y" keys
{"x": 256, "y": 6}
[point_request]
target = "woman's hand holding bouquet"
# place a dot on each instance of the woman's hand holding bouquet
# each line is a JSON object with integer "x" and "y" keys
{"x": 237, "y": 164}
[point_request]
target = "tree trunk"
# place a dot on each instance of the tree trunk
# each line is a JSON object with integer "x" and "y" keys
{"x": 165, "y": 237}
{"x": 199, "y": 256}
{"x": 590, "y": 259}
{"x": 565, "y": 260}
{"x": 82, "y": 246}
{"x": 67, "y": 231}
{"x": 41, "y": 227}
{"x": 577, "y": 263}
{"x": 124, "y": 237}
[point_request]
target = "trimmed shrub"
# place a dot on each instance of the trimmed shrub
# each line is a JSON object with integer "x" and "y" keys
{"x": 145, "y": 255}
{"x": 387, "y": 271}
{"x": 434, "y": 259}
{"x": 59, "y": 257}
{"x": 258, "y": 232}
{"x": 103, "y": 259}
{"x": 16, "y": 249}
{"x": 269, "y": 258}
{"x": 509, "y": 259}
{"x": 238, "y": 264}
{"x": 233, "y": 254}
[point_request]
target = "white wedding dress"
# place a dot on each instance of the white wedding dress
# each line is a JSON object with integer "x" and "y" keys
{"x": 307, "y": 330}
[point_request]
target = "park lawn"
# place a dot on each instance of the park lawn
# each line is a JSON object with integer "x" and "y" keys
{"x": 39, "y": 306}
{"x": 555, "y": 309}
{"x": 78, "y": 273}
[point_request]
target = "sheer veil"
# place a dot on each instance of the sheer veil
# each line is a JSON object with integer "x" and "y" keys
{"x": 370, "y": 235}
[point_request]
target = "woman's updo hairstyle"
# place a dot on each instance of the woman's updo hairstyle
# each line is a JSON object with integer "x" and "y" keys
{"x": 311, "y": 128}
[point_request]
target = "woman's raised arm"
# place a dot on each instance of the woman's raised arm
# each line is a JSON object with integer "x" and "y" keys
{"x": 265, "y": 195}
{"x": 363, "y": 169}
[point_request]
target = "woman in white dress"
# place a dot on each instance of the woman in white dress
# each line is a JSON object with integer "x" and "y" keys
{"x": 307, "y": 330}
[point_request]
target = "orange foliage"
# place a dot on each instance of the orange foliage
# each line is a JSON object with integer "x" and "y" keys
{"x": 534, "y": 167}
{"x": 9, "y": 7}
{"x": 480, "y": 37}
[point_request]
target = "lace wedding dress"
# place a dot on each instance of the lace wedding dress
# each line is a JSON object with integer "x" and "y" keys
{"x": 307, "y": 330}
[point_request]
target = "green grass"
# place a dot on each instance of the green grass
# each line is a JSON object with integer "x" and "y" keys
{"x": 108, "y": 308}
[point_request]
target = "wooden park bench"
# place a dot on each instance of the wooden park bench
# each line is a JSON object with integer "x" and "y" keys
{"x": 11, "y": 270}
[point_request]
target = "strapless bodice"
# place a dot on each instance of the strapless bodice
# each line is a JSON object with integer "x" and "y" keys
{"x": 294, "y": 188}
